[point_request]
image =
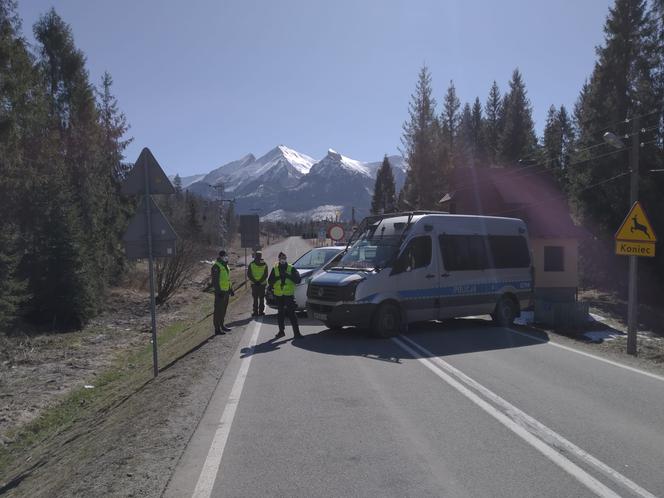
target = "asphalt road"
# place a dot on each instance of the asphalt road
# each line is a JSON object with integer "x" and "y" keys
{"x": 454, "y": 409}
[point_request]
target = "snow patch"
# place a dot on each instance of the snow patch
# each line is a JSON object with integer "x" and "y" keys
{"x": 319, "y": 213}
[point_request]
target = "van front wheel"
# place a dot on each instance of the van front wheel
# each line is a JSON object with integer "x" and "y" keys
{"x": 387, "y": 321}
{"x": 505, "y": 312}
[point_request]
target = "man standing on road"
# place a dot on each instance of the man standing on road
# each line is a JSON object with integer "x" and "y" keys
{"x": 257, "y": 274}
{"x": 223, "y": 289}
{"x": 283, "y": 279}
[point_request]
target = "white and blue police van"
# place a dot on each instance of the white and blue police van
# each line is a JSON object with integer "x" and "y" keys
{"x": 420, "y": 266}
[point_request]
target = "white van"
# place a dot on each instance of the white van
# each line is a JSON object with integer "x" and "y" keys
{"x": 420, "y": 266}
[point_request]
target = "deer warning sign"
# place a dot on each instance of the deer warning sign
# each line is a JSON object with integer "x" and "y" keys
{"x": 635, "y": 237}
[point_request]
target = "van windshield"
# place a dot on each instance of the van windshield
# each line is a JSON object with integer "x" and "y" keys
{"x": 374, "y": 249}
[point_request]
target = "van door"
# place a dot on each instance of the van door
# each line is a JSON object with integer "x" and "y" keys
{"x": 465, "y": 284}
{"x": 415, "y": 278}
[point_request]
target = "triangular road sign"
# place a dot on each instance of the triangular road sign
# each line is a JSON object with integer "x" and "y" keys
{"x": 137, "y": 231}
{"x": 636, "y": 227}
{"x": 134, "y": 184}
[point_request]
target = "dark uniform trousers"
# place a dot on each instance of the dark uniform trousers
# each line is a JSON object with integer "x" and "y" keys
{"x": 286, "y": 307}
{"x": 220, "y": 306}
{"x": 258, "y": 293}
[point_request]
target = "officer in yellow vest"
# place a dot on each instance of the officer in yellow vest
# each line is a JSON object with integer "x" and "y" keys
{"x": 257, "y": 274}
{"x": 223, "y": 289}
{"x": 283, "y": 279}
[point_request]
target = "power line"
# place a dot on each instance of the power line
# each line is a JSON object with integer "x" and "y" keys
{"x": 561, "y": 197}
{"x": 518, "y": 172}
{"x": 564, "y": 197}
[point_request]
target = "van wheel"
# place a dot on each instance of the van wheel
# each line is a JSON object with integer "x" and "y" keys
{"x": 387, "y": 321}
{"x": 332, "y": 325}
{"x": 505, "y": 312}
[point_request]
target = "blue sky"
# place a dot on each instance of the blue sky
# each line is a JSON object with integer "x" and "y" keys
{"x": 204, "y": 82}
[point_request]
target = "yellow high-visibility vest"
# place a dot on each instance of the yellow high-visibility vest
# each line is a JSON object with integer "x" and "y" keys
{"x": 288, "y": 287}
{"x": 259, "y": 272}
{"x": 224, "y": 276}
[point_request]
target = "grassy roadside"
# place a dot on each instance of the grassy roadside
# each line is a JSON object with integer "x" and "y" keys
{"x": 24, "y": 448}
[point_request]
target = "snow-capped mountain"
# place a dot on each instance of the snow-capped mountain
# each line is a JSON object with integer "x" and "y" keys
{"x": 286, "y": 184}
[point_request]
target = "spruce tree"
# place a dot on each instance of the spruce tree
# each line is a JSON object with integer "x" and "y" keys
{"x": 112, "y": 170}
{"x": 626, "y": 82}
{"x": 424, "y": 177}
{"x": 449, "y": 119}
{"x": 384, "y": 197}
{"x": 493, "y": 123}
{"x": 377, "y": 197}
{"x": 19, "y": 122}
{"x": 464, "y": 153}
{"x": 517, "y": 139}
{"x": 477, "y": 133}
{"x": 557, "y": 143}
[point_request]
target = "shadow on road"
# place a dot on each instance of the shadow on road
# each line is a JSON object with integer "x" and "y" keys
{"x": 452, "y": 337}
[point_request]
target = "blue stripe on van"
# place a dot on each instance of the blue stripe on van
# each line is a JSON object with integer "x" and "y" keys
{"x": 459, "y": 290}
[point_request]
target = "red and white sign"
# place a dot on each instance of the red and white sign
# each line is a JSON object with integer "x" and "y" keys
{"x": 335, "y": 232}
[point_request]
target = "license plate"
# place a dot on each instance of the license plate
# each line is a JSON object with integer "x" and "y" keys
{"x": 320, "y": 316}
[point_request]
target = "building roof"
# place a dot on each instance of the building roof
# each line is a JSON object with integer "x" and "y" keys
{"x": 530, "y": 194}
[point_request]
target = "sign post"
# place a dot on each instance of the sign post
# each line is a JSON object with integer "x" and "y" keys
{"x": 635, "y": 238}
{"x": 149, "y": 234}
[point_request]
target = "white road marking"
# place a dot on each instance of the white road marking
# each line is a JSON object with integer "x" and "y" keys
{"x": 598, "y": 358}
{"x": 530, "y": 430}
{"x": 213, "y": 461}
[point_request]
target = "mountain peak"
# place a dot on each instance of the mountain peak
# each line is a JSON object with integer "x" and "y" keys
{"x": 333, "y": 154}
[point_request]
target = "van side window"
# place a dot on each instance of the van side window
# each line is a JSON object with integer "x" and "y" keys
{"x": 508, "y": 251}
{"x": 463, "y": 252}
{"x": 417, "y": 253}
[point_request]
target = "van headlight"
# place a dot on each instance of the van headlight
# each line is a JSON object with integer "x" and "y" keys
{"x": 348, "y": 293}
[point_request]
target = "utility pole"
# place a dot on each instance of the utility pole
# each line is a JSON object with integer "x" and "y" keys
{"x": 632, "y": 306}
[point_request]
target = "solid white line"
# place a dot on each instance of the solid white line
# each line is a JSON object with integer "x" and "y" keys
{"x": 213, "y": 461}
{"x": 530, "y": 430}
{"x": 598, "y": 358}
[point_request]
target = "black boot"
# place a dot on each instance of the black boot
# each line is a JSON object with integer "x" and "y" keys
{"x": 280, "y": 334}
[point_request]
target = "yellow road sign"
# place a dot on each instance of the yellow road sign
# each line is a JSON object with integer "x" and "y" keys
{"x": 627, "y": 248}
{"x": 636, "y": 227}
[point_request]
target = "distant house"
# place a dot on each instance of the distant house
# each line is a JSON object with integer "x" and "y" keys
{"x": 534, "y": 197}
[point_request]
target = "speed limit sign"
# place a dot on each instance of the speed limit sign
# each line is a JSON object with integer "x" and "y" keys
{"x": 335, "y": 232}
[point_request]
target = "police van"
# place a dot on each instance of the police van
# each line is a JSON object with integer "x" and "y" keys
{"x": 418, "y": 266}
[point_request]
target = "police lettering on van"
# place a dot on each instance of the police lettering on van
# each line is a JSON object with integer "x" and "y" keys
{"x": 420, "y": 266}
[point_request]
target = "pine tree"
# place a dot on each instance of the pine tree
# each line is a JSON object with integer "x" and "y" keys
{"x": 517, "y": 139}
{"x": 116, "y": 209}
{"x": 624, "y": 83}
{"x": 177, "y": 183}
{"x": 19, "y": 120}
{"x": 465, "y": 155}
{"x": 384, "y": 196}
{"x": 193, "y": 226}
{"x": 557, "y": 142}
{"x": 477, "y": 133}
{"x": 450, "y": 119}
{"x": 75, "y": 156}
{"x": 424, "y": 177}
{"x": 493, "y": 123}
{"x": 377, "y": 197}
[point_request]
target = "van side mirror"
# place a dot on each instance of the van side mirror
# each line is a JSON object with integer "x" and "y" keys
{"x": 400, "y": 265}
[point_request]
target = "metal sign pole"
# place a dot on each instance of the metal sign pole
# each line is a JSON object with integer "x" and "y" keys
{"x": 153, "y": 312}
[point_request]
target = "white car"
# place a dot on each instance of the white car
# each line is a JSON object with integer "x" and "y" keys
{"x": 308, "y": 265}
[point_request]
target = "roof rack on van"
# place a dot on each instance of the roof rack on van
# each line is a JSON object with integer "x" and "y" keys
{"x": 405, "y": 213}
